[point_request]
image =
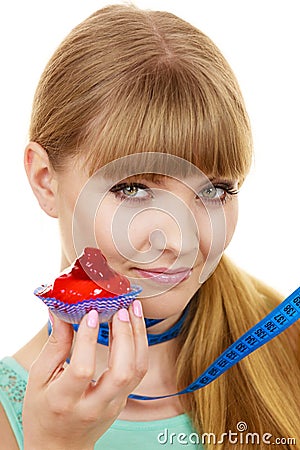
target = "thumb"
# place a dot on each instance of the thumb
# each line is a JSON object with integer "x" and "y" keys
{"x": 55, "y": 351}
{"x": 62, "y": 333}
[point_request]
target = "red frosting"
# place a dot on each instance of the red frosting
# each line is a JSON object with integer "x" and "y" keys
{"x": 90, "y": 277}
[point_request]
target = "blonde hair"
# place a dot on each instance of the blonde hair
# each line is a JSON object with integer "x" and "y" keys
{"x": 125, "y": 81}
{"x": 263, "y": 389}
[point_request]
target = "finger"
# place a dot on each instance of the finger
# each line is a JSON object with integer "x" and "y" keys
{"x": 54, "y": 353}
{"x": 140, "y": 339}
{"x": 78, "y": 375}
{"x": 121, "y": 366}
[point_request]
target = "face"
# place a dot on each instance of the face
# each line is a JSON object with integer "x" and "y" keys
{"x": 166, "y": 234}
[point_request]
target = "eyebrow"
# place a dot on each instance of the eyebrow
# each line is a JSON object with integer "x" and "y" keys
{"x": 195, "y": 184}
{"x": 154, "y": 178}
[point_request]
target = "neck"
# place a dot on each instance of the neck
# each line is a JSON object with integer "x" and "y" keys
{"x": 162, "y": 330}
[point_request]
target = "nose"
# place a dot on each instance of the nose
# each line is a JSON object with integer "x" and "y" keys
{"x": 167, "y": 226}
{"x": 176, "y": 232}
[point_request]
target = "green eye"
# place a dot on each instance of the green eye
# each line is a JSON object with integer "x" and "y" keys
{"x": 130, "y": 190}
{"x": 218, "y": 193}
{"x": 210, "y": 192}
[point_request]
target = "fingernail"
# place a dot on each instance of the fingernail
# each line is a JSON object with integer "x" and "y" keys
{"x": 137, "y": 308}
{"x": 92, "y": 319}
{"x": 50, "y": 317}
{"x": 123, "y": 315}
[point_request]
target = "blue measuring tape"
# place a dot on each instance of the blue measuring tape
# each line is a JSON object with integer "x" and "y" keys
{"x": 278, "y": 320}
{"x": 153, "y": 339}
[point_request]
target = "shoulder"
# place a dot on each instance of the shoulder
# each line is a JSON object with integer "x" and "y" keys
{"x": 8, "y": 439}
{"x": 13, "y": 381}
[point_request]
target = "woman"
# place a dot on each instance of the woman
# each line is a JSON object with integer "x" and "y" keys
{"x": 131, "y": 83}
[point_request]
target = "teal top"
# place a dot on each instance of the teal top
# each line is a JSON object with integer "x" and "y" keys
{"x": 172, "y": 433}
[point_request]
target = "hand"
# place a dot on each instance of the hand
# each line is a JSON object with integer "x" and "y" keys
{"x": 63, "y": 409}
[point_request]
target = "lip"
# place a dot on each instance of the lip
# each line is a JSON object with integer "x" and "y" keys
{"x": 164, "y": 276}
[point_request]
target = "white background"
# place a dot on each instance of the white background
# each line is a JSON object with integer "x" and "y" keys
{"x": 260, "y": 39}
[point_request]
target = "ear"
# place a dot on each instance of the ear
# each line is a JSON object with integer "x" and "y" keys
{"x": 41, "y": 177}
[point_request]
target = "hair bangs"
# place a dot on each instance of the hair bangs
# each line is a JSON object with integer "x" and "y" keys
{"x": 171, "y": 111}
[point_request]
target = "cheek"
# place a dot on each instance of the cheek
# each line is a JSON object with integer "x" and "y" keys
{"x": 83, "y": 225}
{"x": 109, "y": 235}
{"x": 216, "y": 228}
{"x": 211, "y": 233}
{"x": 103, "y": 231}
{"x": 231, "y": 215}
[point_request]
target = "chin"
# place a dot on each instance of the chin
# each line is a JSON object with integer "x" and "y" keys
{"x": 167, "y": 304}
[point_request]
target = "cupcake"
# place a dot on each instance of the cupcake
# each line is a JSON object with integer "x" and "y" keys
{"x": 90, "y": 283}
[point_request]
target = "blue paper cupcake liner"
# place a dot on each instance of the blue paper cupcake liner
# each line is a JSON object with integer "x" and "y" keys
{"x": 73, "y": 313}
